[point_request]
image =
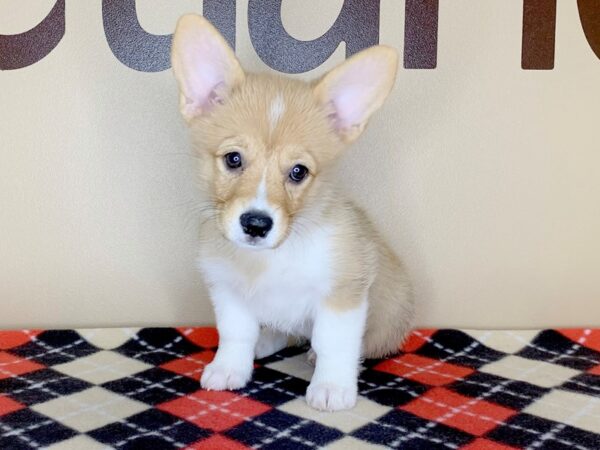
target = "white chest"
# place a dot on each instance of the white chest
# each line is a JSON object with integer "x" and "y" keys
{"x": 281, "y": 287}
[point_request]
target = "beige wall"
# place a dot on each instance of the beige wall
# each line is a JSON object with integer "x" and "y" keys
{"x": 482, "y": 175}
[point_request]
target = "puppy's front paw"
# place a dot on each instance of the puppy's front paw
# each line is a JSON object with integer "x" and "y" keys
{"x": 330, "y": 396}
{"x": 220, "y": 378}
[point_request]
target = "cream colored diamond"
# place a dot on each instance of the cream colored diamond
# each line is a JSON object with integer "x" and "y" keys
{"x": 578, "y": 410}
{"x": 102, "y": 367}
{"x": 90, "y": 409}
{"x": 78, "y": 443}
{"x": 107, "y": 338}
{"x": 363, "y": 413}
{"x": 296, "y": 366}
{"x": 506, "y": 341}
{"x": 531, "y": 371}
{"x": 350, "y": 443}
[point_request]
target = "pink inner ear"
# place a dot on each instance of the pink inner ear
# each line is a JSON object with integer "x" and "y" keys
{"x": 348, "y": 104}
{"x": 353, "y": 94}
{"x": 207, "y": 68}
{"x": 214, "y": 98}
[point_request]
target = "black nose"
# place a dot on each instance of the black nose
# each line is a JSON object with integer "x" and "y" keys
{"x": 255, "y": 223}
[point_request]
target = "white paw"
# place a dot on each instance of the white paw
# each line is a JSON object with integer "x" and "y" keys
{"x": 269, "y": 342}
{"x": 221, "y": 378}
{"x": 330, "y": 396}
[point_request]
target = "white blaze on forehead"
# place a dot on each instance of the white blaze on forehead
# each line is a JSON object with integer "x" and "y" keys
{"x": 276, "y": 111}
{"x": 260, "y": 201}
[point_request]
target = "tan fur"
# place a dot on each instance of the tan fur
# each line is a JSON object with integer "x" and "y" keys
{"x": 303, "y": 134}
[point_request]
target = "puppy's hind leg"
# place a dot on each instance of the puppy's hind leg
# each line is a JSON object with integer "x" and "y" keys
{"x": 269, "y": 341}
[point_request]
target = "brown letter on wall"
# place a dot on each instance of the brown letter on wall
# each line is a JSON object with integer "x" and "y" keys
{"x": 539, "y": 26}
{"x": 357, "y": 25}
{"x": 147, "y": 52}
{"x": 221, "y": 14}
{"x": 22, "y": 50}
{"x": 589, "y": 14}
{"x": 129, "y": 42}
{"x": 421, "y": 34}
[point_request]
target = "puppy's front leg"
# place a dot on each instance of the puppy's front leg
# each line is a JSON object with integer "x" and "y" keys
{"x": 336, "y": 339}
{"x": 238, "y": 333}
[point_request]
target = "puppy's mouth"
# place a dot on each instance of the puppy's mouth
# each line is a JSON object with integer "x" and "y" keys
{"x": 256, "y": 243}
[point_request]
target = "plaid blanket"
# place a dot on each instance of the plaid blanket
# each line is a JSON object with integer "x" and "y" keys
{"x": 446, "y": 389}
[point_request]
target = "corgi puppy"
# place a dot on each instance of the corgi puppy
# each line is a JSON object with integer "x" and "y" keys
{"x": 283, "y": 252}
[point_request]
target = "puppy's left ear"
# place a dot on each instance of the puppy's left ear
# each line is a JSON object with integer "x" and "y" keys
{"x": 357, "y": 88}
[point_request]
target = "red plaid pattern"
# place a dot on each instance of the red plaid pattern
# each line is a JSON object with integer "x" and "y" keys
{"x": 11, "y": 365}
{"x": 216, "y": 411}
{"x": 191, "y": 365}
{"x": 425, "y": 370}
{"x": 472, "y": 415}
{"x": 8, "y": 405}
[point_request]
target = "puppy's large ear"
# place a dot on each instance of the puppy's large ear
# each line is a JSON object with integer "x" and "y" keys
{"x": 355, "y": 89}
{"x": 204, "y": 64}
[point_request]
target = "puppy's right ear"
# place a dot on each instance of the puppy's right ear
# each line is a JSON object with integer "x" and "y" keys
{"x": 204, "y": 64}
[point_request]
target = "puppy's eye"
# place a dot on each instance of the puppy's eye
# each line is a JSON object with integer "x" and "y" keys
{"x": 233, "y": 160}
{"x": 298, "y": 173}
